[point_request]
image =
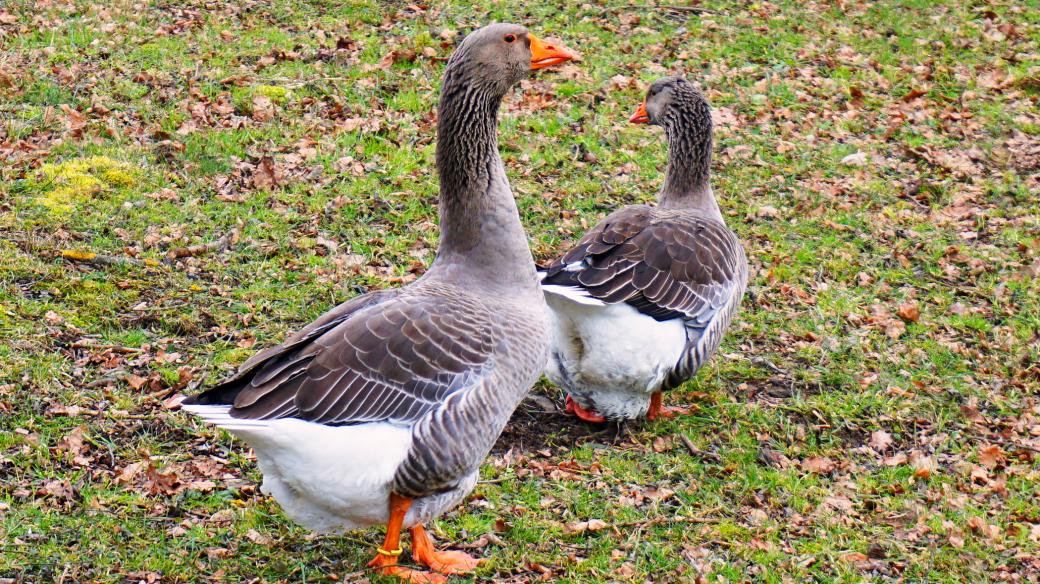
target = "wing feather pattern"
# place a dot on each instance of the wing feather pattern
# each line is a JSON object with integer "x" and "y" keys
{"x": 380, "y": 357}
{"x": 666, "y": 263}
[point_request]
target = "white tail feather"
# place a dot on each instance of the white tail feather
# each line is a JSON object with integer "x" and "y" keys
{"x": 221, "y": 416}
{"x": 572, "y": 293}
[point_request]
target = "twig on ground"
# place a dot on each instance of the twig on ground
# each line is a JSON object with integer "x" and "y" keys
{"x": 763, "y": 362}
{"x": 662, "y": 520}
{"x": 89, "y": 257}
{"x": 672, "y": 8}
{"x": 83, "y": 344}
{"x": 698, "y": 452}
{"x": 203, "y": 248}
{"x": 111, "y": 378}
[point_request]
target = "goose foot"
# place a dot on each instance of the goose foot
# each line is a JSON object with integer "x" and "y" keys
{"x": 446, "y": 562}
{"x": 657, "y": 410}
{"x": 387, "y": 566}
{"x": 587, "y": 415}
{"x": 385, "y": 562}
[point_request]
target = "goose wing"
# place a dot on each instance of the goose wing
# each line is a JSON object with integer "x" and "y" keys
{"x": 386, "y": 356}
{"x": 665, "y": 264}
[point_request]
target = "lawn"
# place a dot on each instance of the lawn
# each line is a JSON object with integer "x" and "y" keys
{"x": 184, "y": 182}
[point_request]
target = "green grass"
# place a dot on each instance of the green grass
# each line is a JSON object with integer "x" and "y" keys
{"x": 100, "y": 483}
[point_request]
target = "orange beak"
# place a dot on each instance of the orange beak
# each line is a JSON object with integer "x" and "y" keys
{"x": 544, "y": 54}
{"x": 640, "y": 116}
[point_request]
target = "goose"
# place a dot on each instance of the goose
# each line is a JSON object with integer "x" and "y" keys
{"x": 382, "y": 409}
{"x": 643, "y": 299}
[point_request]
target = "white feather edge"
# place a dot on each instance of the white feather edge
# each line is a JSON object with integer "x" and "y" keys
{"x": 572, "y": 293}
{"x": 220, "y": 416}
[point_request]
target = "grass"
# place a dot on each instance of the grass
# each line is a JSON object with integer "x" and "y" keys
{"x": 871, "y": 416}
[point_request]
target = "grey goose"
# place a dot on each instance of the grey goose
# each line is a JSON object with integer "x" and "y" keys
{"x": 643, "y": 299}
{"x": 382, "y": 409}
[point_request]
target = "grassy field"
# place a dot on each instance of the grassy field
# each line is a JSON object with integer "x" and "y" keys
{"x": 239, "y": 167}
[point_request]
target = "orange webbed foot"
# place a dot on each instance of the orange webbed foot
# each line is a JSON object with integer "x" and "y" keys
{"x": 658, "y": 410}
{"x": 668, "y": 412}
{"x": 387, "y": 566}
{"x": 587, "y": 415}
{"x": 385, "y": 562}
{"x": 450, "y": 562}
{"x": 446, "y": 562}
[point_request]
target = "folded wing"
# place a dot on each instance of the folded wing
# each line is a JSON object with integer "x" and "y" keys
{"x": 665, "y": 264}
{"x": 379, "y": 357}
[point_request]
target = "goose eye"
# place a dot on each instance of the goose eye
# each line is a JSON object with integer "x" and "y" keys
{"x": 509, "y": 38}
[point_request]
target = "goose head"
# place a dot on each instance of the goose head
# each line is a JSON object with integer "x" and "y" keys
{"x": 499, "y": 55}
{"x": 673, "y": 102}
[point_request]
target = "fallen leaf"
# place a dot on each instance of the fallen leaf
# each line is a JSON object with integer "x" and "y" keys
{"x": 135, "y": 381}
{"x": 857, "y": 159}
{"x": 57, "y": 488}
{"x": 161, "y": 482}
{"x": 258, "y": 538}
{"x": 818, "y": 465}
{"x": 895, "y": 460}
{"x": 880, "y": 440}
{"x": 266, "y": 175}
{"x": 855, "y": 557}
{"x": 75, "y": 122}
{"x": 895, "y": 328}
{"x": 583, "y": 526}
{"x": 909, "y": 312}
{"x": 990, "y": 456}
{"x": 73, "y": 445}
{"x": 661, "y": 444}
{"x": 263, "y": 108}
{"x": 922, "y": 464}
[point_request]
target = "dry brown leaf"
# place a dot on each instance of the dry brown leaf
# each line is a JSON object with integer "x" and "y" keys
{"x": 267, "y": 174}
{"x": 880, "y": 440}
{"x": 263, "y": 108}
{"x": 662, "y": 444}
{"x": 818, "y": 465}
{"x": 909, "y": 312}
{"x": 922, "y": 464}
{"x": 57, "y": 488}
{"x": 895, "y": 460}
{"x": 135, "y": 381}
{"x": 74, "y": 121}
{"x": 258, "y": 538}
{"x": 990, "y": 456}
{"x": 583, "y": 526}
{"x": 895, "y": 328}
{"x": 855, "y": 557}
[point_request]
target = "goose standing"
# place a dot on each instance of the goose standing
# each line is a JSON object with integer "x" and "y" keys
{"x": 642, "y": 301}
{"x": 382, "y": 409}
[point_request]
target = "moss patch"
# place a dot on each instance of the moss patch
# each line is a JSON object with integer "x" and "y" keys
{"x": 66, "y": 184}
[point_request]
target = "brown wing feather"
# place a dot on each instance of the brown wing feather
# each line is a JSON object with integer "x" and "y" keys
{"x": 391, "y": 358}
{"x": 665, "y": 263}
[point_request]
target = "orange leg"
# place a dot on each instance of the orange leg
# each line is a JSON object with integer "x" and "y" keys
{"x": 577, "y": 410}
{"x": 447, "y": 562}
{"x": 385, "y": 561}
{"x": 661, "y": 411}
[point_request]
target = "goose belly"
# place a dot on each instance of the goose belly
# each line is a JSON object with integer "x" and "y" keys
{"x": 331, "y": 479}
{"x": 611, "y": 357}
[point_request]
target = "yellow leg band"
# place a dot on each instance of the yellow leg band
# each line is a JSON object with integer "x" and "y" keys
{"x": 391, "y": 553}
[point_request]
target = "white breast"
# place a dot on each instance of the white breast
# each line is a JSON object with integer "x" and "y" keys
{"x": 326, "y": 478}
{"x": 610, "y": 353}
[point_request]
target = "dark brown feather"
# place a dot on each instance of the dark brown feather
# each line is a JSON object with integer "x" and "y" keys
{"x": 381, "y": 357}
{"x": 667, "y": 263}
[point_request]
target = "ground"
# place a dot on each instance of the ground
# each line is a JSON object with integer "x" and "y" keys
{"x": 184, "y": 182}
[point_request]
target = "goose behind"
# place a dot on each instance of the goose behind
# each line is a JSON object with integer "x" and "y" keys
{"x": 642, "y": 301}
{"x": 382, "y": 409}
